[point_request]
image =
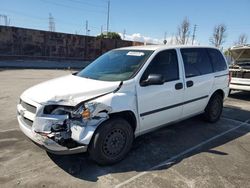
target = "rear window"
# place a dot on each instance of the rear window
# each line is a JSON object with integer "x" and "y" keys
{"x": 196, "y": 62}
{"x": 218, "y": 61}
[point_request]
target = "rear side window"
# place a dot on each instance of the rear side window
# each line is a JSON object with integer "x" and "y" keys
{"x": 196, "y": 62}
{"x": 164, "y": 63}
{"x": 218, "y": 61}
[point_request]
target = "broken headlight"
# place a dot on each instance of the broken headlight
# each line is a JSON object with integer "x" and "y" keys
{"x": 94, "y": 109}
{"x": 81, "y": 112}
{"x": 86, "y": 110}
{"x": 89, "y": 108}
{"x": 58, "y": 110}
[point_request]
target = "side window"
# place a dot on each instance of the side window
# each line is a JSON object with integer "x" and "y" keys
{"x": 218, "y": 61}
{"x": 196, "y": 62}
{"x": 164, "y": 63}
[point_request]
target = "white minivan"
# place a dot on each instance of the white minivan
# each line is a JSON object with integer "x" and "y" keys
{"x": 123, "y": 94}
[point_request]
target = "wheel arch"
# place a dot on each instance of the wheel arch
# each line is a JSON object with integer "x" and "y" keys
{"x": 218, "y": 92}
{"x": 213, "y": 113}
{"x": 128, "y": 116}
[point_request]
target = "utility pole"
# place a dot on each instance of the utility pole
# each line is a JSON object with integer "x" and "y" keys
{"x": 52, "y": 25}
{"x": 165, "y": 38}
{"x": 193, "y": 36}
{"x": 108, "y": 17}
{"x": 5, "y": 18}
{"x": 124, "y": 34}
{"x": 87, "y": 27}
{"x": 101, "y": 29}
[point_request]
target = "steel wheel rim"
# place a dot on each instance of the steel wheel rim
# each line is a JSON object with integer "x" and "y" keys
{"x": 114, "y": 142}
{"x": 215, "y": 109}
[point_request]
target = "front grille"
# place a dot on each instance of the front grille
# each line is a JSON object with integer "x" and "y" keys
{"x": 240, "y": 74}
{"x": 28, "y": 107}
{"x": 27, "y": 121}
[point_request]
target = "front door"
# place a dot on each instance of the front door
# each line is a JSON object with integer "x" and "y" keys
{"x": 160, "y": 104}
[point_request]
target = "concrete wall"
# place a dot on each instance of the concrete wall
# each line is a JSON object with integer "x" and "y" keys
{"x": 20, "y": 43}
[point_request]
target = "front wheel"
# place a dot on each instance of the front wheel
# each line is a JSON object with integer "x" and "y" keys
{"x": 111, "y": 142}
{"x": 214, "y": 108}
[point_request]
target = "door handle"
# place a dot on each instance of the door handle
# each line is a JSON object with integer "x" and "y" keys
{"x": 178, "y": 86}
{"x": 190, "y": 83}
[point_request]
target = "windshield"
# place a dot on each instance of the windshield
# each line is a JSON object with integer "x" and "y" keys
{"x": 116, "y": 65}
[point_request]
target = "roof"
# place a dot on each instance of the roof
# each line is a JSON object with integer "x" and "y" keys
{"x": 162, "y": 47}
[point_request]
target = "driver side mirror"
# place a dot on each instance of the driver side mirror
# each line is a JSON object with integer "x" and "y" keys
{"x": 153, "y": 79}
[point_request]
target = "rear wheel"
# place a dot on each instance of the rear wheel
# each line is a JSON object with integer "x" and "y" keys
{"x": 111, "y": 142}
{"x": 214, "y": 108}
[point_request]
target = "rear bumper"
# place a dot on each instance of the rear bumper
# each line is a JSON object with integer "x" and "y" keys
{"x": 46, "y": 143}
{"x": 242, "y": 84}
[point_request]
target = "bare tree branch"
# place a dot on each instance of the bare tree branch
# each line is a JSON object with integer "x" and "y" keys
{"x": 183, "y": 32}
{"x": 219, "y": 35}
{"x": 242, "y": 39}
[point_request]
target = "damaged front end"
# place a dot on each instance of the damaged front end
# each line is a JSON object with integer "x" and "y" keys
{"x": 64, "y": 129}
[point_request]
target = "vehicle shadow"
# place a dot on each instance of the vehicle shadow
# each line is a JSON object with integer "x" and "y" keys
{"x": 154, "y": 148}
{"x": 241, "y": 95}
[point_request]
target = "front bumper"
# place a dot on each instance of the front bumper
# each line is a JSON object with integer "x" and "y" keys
{"x": 46, "y": 143}
{"x": 42, "y": 128}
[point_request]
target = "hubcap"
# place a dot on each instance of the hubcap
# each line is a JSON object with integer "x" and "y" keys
{"x": 114, "y": 142}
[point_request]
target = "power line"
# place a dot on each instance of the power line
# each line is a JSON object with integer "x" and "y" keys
{"x": 24, "y": 16}
{"x": 86, "y": 3}
{"x": 70, "y": 7}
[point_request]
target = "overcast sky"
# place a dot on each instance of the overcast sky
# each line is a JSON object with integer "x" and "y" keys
{"x": 142, "y": 19}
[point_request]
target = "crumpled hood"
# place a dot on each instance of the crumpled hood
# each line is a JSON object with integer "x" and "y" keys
{"x": 68, "y": 90}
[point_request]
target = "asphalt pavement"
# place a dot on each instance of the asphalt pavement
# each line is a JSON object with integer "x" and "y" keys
{"x": 191, "y": 153}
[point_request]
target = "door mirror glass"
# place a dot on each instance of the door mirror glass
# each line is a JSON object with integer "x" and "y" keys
{"x": 153, "y": 79}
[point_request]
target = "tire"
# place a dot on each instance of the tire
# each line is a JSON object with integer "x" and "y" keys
{"x": 214, "y": 108}
{"x": 111, "y": 141}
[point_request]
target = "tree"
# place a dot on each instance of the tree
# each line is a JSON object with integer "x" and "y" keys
{"x": 242, "y": 39}
{"x": 110, "y": 35}
{"x": 219, "y": 35}
{"x": 227, "y": 52}
{"x": 183, "y": 32}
